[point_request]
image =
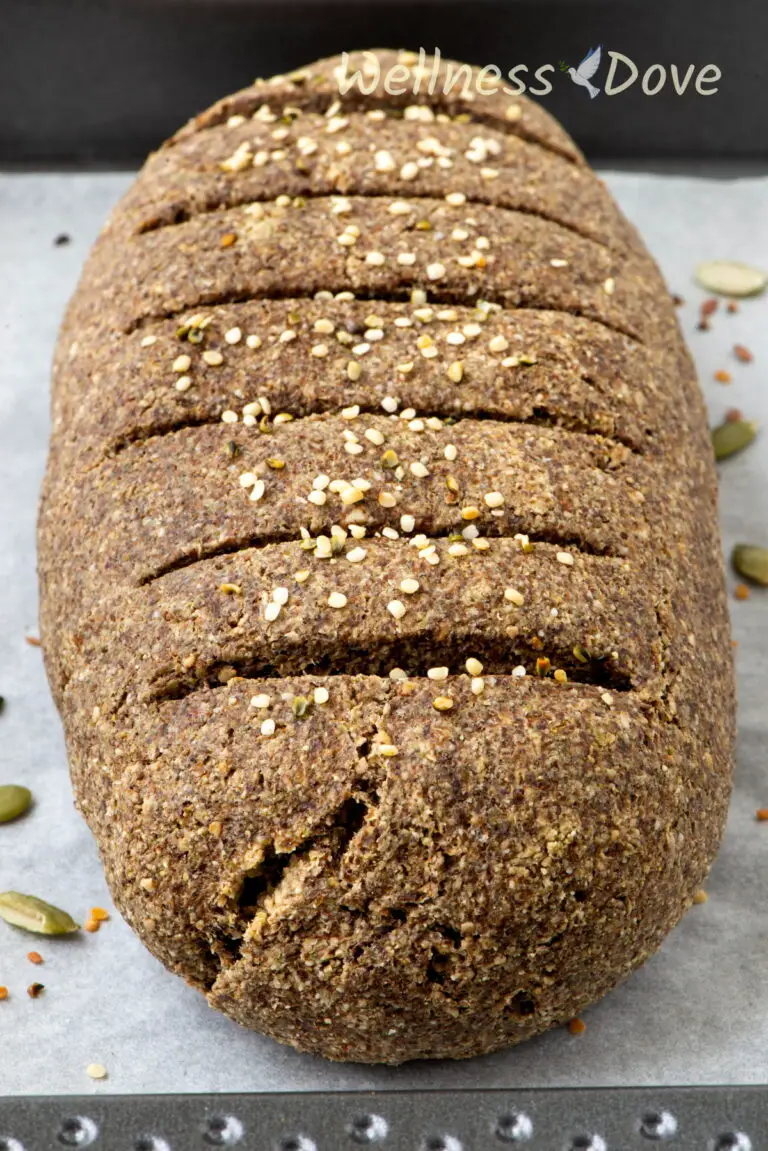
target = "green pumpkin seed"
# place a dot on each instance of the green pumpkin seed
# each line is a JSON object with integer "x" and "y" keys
{"x": 732, "y": 437}
{"x": 751, "y": 561}
{"x": 32, "y": 914}
{"x": 730, "y": 278}
{"x": 14, "y": 801}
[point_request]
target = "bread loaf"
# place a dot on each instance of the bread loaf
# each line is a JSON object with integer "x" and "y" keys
{"x": 380, "y": 573}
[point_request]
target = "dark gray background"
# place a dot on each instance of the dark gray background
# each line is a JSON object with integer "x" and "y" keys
{"x": 101, "y": 82}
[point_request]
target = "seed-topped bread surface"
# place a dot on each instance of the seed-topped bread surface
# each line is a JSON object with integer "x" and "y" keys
{"x": 381, "y": 591}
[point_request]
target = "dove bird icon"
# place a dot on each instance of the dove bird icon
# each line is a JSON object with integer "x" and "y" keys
{"x": 586, "y": 70}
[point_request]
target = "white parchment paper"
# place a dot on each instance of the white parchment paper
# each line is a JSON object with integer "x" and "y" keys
{"x": 697, "y": 1013}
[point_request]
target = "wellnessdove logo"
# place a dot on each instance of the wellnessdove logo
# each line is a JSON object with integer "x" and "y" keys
{"x": 586, "y": 70}
{"x": 421, "y": 74}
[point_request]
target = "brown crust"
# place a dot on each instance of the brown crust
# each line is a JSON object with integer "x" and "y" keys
{"x": 574, "y": 372}
{"x": 230, "y": 165}
{"x": 316, "y": 86}
{"x": 356, "y": 871}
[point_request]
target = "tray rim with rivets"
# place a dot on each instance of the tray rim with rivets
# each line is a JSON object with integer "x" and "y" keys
{"x": 538, "y": 1119}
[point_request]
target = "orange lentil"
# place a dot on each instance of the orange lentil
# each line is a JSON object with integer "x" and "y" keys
{"x": 92, "y": 925}
{"x": 32, "y": 640}
{"x": 723, "y": 377}
{"x": 35, "y": 989}
{"x": 700, "y": 897}
{"x": 99, "y": 914}
{"x": 3, "y": 992}
{"x": 577, "y": 1026}
{"x": 732, "y": 306}
{"x": 34, "y": 957}
{"x": 709, "y": 306}
{"x": 761, "y": 815}
{"x": 741, "y": 591}
{"x": 227, "y": 240}
{"x": 733, "y": 415}
{"x": 743, "y": 354}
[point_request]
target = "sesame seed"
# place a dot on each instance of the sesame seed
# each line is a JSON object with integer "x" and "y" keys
{"x": 514, "y": 596}
{"x": 480, "y": 545}
{"x": 387, "y": 749}
{"x": 489, "y": 173}
{"x": 470, "y": 512}
{"x": 361, "y": 349}
{"x": 390, "y": 534}
{"x": 261, "y": 701}
{"x": 442, "y": 703}
{"x": 375, "y": 258}
{"x": 409, "y": 585}
{"x": 253, "y": 341}
{"x": 354, "y": 370}
{"x": 184, "y": 383}
{"x": 518, "y": 671}
{"x": 409, "y": 171}
{"x": 319, "y": 350}
{"x": 455, "y": 371}
{"x": 455, "y": 198}
{"x": 418, "y": 469}
{"x": 287, "y": 335}
{"x": 416, "y": 425}
{"x": 494, "y": 499}
{"x": 455, "y": 338}
{"x": 559, "y": 263}
{"x": 457, "y": 549}
{"x": 374, "y": 334}
{"x": 498, "y": 344}
{"x": 564, "y": 558}
{"x": 268, "y": 727}
{"x": 324, "y": 326}
{"x": 398, "y": 675}
{"x": 337, "y": 599}
{"x": 346, "y": 239}
{"x": 357, "y": 555}
{"x": 374, "y": 436}
{"x": 384, "y": 162}
{"x": 233, "y": 336}
{"x": 357, "y": 531}
{"x": 280, "y": 595}
{"x": 609, "y": 286}
{"x": 470, "y": 532}
{"x": 351, "y": 495}
{"x": 257, "y": 491}
{"x": 390, "y": 403}
{"x": 407, "y": 523}
{"x": 607, "y": 698}
{"x": 229, "y": 417}
{"x": 386, "y": 499}
{"x": 396, "y": 608}
{"x": 272, "y": 611}
{"x": 473, "y": 666}
{"x": 450, "y": 451}
{"x": 320, "y": 695}
{"x": 404, "y": 368}
{"x": 350, "y": 413}
{"x": 435, "y": 271}
{"x": 407, "y": 259}
{"x": 301, "y": 576}
{"x": 182, "y": 363}
{"x": 148, "y": 341}
{"x": 400, "y": 208}
{"x": 477, "y": 685}
{"x": 353, "y": 449}
{"x": 213, "y": 358}
{"x": 438, "y": 673}
{"x": 247, "y": 480}
{"x": 96, "y": 1071}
